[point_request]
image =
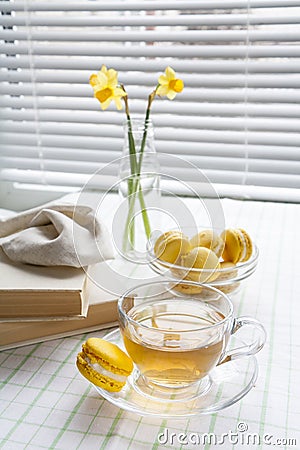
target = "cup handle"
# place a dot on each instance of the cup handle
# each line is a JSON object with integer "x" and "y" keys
{"x": 247, "y": 349}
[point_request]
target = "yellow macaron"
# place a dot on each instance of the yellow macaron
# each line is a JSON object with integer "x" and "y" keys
{"x": 171, "y": 245}
{"x": 104, "y": 364}
{"x": 229, "y": 288}
{"x": 208, "y": 239}
{"x": 187, "y": 289}
{"x": 228, "y": 271}
{"x": 238, "y": 245}
{"x": 201, "y": 258}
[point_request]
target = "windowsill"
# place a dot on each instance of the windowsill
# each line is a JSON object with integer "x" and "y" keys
{"x": 19, "y": 197}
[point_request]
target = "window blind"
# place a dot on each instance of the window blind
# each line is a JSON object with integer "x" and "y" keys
{"x": 238, "y": 118}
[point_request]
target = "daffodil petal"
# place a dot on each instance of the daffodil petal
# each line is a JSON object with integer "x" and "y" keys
{"x": 162, "y": 90}
{"x": 106, "y": 104}
{"x": 112, "y": 77}
{"x": 93, "y": 79}
{"x": 119, "y": 92}
{"x": 170, "y": 73}
{"x": 118, "y": 102}
{"x": 101, "y": 80}
{"x": 163, "y": 80}
{"x": 171, "y": 95}
{"x": 104, "y": 69}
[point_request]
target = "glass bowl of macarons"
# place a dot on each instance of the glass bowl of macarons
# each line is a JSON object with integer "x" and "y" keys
{"x": 222, "y": 260}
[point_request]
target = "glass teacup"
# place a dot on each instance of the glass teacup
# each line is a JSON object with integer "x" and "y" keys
{"x": 176, "y": 333}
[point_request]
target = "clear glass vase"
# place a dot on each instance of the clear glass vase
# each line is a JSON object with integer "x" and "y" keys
{"x": 139, "y": 189}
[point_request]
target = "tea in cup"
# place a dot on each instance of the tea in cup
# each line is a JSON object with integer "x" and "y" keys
{"x": 174, "y": 338}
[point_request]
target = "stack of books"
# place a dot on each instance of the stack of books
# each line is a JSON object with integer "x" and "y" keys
{"x": 39, "y": 303}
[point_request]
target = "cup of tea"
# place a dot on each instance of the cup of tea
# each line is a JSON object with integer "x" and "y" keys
{"x": 176, "y": 333}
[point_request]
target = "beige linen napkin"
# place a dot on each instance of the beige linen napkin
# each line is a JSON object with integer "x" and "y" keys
{"x": 56, "y": 234}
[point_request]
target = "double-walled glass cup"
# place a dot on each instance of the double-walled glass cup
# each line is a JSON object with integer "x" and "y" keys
{"x": 177, "y": 334}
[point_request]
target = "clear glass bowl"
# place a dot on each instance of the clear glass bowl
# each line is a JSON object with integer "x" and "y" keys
{"x": 227, "y": 280}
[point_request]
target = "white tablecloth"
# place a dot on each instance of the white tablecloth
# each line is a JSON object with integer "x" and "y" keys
{"x": 45, "y": 403}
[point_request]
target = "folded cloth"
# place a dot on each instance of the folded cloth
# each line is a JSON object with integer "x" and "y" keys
{"x": 56, "y": 234}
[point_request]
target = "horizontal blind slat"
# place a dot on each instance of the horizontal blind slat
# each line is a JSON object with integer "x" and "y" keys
{"x": 146, "y": 5}
{"x": 258, "y": 95}
{"x": 258, "y": 152}
{"x": 192, "y": 80}
{"x": 160, "y": 107}
{"x": 216, "y": 109}
{"x": 155, "y": 20}
{"x": 235, "y": 137}
{"x": 188, "y": 133}
{"x": 187, "y": 66}
{"x": 177, "y": 51}
{"x": 203, "y": 162}
{"x": 161, "y": 36}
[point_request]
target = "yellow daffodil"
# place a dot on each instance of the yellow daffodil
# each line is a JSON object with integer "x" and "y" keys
{"x": 169, "y": 85}
{"x": 106, "y": 88}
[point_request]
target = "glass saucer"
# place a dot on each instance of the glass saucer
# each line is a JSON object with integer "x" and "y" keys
{"x": 226, "y": 384}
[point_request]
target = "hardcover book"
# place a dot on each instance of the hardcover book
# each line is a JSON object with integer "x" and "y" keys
{"x": 102, "y": 313}
{"x": 29, "y": 292}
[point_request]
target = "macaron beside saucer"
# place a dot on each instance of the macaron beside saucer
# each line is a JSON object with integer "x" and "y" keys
{"x": 104, "y": 364}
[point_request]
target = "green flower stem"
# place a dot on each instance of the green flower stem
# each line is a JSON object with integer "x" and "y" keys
{"x": 144, "y": 213}
{"x": 131, "y": 144}
{"x": 146, "y": 222}
{"x": 129, "y": 226}
{"x": 150, "y": 100}
{"x": 143, "y": 143}
{"x": 134, "y": 185}
{"x": 129, "y": 231}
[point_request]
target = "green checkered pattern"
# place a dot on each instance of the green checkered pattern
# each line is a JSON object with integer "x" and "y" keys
{"x": 46, "y": 403}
